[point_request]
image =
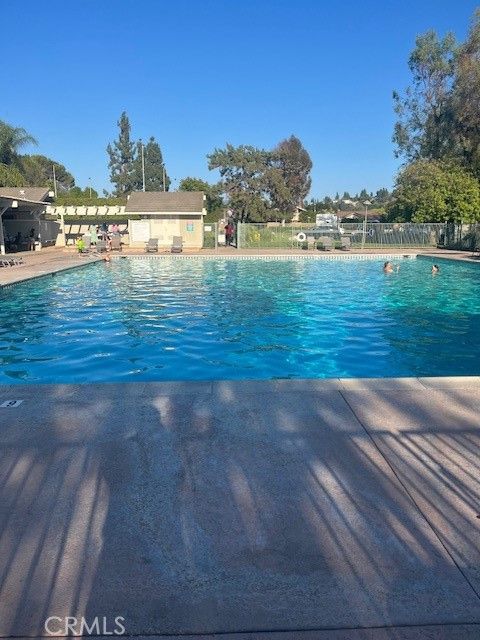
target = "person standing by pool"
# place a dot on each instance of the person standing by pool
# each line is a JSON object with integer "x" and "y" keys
{"x": 93, "y": 234}
{"x": 229, "y": 231}
{"x": 31, "y": 240}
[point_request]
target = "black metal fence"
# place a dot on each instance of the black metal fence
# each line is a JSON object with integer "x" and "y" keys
{"x": 362, "y": 236}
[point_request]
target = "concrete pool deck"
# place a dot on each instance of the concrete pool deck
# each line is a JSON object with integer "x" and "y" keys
{"x": 316, "y": 509}
{"x": 48, "y": 261}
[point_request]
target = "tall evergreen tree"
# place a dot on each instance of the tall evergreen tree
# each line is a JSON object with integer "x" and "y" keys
{"x": 289, "y": 174}
{"x": 122, "y": 157}
{"x": 155, "y": 171}
{"x": 423, "y": 128}
{"x": 243, "y": 179}
{"x": 465, "y": 100}
{"x": 439, "y": 114}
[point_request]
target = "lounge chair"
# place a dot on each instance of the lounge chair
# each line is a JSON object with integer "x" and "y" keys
{"x": 177, "y": 244}
{"x": 345, "y": 243}
{"x": 101, "y": 246}
{"x": 326, "y": 243}
{"x": 151, "y": 245}
{"x": 87, "y": 241}
{"x": 116, "y": 243}
{"x": 11, "y": 262}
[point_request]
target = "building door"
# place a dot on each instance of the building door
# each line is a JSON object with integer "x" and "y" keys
{"x": 165, "y": 229}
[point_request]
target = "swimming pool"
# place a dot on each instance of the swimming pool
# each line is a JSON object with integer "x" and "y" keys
{"x": 196, "y": 319}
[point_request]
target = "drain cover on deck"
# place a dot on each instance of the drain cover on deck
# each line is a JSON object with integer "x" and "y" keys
{"x": 10, "y": 404}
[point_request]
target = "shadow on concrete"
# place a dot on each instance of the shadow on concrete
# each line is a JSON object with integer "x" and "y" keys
{"x": 197, "y": 512}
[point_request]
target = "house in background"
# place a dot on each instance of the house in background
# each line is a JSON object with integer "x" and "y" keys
{"x": 23, "y": 209}
{"x": 165, "y": 214}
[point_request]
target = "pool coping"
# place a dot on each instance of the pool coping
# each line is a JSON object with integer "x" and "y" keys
{"x": 266, "y": 256}
{"x": 261, "y": 386}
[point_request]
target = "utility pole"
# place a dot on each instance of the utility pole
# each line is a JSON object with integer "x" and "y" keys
{"x": 89, "y": 187}
{"x": 143, "y": 166}
{"x": 54, "y": 182}
{"x": 164, "y": 186}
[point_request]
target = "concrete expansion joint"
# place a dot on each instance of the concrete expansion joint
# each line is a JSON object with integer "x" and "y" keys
{"x": 427, "y": 520}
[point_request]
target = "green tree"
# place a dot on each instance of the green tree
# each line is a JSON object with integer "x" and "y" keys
{"x": 424, "y": 125}
{"x": 288, "y": 174}
{"x": 382, "y": 196}
{"x": 38, "y": 172}
{"x": 212, "y": 192}
{"x": 243, "y": 179}
{"x": 10, "y": 176}
{"x": 12, "y": 139}
{"x": 306, "y": 216}
{"x": 435, "y": 191}
{"x": 121, "y": 159}
{"x": 155, "y": 171}
{"x": 465, "y": 100}
{"x": 328, "y": 204}
{"x": 439, "y": 114}
{"x": 78, "y": 192}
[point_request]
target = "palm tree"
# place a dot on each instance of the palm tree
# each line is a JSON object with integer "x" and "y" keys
{"x": 12, "y": 139}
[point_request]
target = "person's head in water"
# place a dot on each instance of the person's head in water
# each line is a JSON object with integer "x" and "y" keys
{"x": 435, "y": 268}
{"x": 388, "y": 267}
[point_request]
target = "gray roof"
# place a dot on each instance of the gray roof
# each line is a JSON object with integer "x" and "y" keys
{"x": 32, "y": 194}
{"x": 165, "y": 202}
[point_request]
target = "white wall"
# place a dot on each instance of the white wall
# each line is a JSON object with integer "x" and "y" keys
{"x": 190, "y": 228}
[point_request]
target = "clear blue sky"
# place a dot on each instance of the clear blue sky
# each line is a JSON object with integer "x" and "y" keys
{"x": 199, "y": 73}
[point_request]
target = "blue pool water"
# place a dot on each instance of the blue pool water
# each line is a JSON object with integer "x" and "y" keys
{"x": 194, "y": 319}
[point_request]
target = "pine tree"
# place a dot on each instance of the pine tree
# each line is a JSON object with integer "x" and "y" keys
{"x": 289, "y": 174}
{"x": 155, "y": 171}
{"x": 122, "y": 158}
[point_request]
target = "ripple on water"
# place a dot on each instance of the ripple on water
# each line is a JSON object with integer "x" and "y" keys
{"x": 194, "y": 320}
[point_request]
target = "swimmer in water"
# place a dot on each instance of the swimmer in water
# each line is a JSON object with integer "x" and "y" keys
{"x": 435, "y": 269}
{"x": 388, "y": 267}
